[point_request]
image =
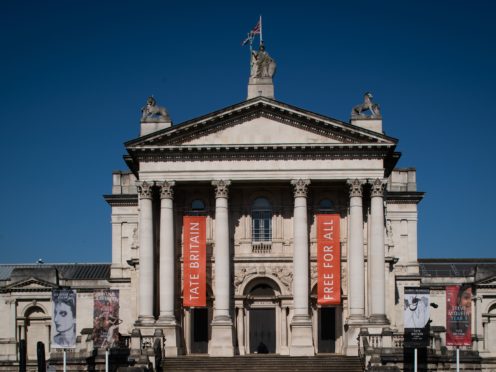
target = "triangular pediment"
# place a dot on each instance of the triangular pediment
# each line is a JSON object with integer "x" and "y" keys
{"x": 261, "y": 121}
{"x": 260, "y": 130}
{"x": 30, "y": 284}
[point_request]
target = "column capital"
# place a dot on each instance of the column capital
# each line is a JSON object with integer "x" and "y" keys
{"x": 300, "y": 187}
{"x": 145, "y": 189}
{"x": 221, "y": 188}
{"x": 166, "y": 191}
{"x": 356, "y": 186}
{"x": 378, "y": 186}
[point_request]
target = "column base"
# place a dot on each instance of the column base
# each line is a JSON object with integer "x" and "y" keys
{"x": 351, "y": 339}
{"x": 145, "y": 320}
{"x": 379, "y": 319}
{"x": 301, "y": 337}
{"x": 171, "y": 331}
{"x": 221, "y": 344}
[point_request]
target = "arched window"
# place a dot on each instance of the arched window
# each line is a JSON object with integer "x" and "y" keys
{"x": 326, "y": 206}
{"x": 197, "y": 205}
{"x": 261, "y": 217}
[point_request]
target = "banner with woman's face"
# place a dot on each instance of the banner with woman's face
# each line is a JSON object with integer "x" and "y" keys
{"x": 64, "y": 319}
{"x": 458, "y": 315}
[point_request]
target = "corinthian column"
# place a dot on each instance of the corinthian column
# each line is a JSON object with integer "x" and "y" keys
{"x": 167, "y": 275}
{"x": 145, "y": 303}
{"x": 376, "y": 253}
{"x": 221, "y": 343}
{"x": 301, "y": 325}
{"x": 356, "y": 256}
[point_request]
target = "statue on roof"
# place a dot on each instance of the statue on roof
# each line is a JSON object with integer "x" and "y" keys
{"x": 262, "y": 64}
{"x": 151, "y": 112}
{"x": 367, "y": 105}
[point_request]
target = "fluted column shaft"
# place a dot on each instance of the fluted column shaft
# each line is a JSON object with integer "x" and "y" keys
{"x": 222, "y": 277}
{"x": 377, "y": 253}
{"x": 145, "y": 302}
{"x": 356, "y": 255}
{"x": 300, "y": 249}
{"x": 167, "y": 262}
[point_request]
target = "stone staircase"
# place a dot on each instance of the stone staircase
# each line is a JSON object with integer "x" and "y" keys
{"x": 262, "y": 363}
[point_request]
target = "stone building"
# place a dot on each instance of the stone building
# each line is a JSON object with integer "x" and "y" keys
{"x": 259, "y": 173}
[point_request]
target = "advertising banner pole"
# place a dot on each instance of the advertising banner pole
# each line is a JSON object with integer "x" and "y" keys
{"x": 415, "y": 360}
{"x": 457, "y": 359}
{"x": 65, "y": 361}
{"x": 106, "y": 360}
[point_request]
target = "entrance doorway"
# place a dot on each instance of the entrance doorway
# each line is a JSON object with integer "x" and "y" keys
{"x": 262, "y": 331}
{"x": 199, "y": 331}
{"x": 327, "y": 330}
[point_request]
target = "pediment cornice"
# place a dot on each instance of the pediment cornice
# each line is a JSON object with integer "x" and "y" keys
{"x": 29, "y": 285}
{"x": 260, "y": 107}
{"x": 261, "y": 152}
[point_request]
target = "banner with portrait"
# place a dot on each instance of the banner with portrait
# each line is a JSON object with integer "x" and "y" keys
{"x": 416, "y": 317}
{"x": 328, "y": 259}
{"x": 195, "y": 261}
{"x": 64, "y": 319}
{"x": 106, "y": 317}
{"x": 458, "y": 315}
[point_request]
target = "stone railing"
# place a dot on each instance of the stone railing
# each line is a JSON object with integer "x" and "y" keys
{"x": 261, "y": 247}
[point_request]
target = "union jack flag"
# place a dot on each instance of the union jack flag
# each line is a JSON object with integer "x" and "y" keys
{"x": 255, "y": 31}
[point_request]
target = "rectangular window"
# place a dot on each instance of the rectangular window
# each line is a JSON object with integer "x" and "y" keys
{"x": 261, "y": 226}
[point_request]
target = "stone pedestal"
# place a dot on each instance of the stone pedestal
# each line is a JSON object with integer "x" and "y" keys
{"x": 263, "y": 87}
{"x": 221, "y": 344}
{"x": 301, "y": 337}
{"x": 171, "y": 332}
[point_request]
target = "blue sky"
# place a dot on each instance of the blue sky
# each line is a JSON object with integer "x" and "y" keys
{"x": 74, "y": 74}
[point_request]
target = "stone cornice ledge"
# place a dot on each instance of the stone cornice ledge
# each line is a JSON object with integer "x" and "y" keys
{"x": 124, "y": 200}
{"x": 404, "y": 197}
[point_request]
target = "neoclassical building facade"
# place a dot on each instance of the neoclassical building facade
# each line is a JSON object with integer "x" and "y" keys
{"x": 259, "y": 175}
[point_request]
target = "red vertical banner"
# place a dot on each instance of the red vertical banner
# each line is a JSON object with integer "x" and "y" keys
{"x": 328, "y": 259}
{"x": 194, "y": 261}
{"x": 458, "y": 315}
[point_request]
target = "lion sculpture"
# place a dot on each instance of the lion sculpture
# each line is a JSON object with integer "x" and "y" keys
{"x": 375, "y": 111}
{"x": 152, "y": 112}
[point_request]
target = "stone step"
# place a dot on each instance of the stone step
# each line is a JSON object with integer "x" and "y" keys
{"x": 259, "y": 363}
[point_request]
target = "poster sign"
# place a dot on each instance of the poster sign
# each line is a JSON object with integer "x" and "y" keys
{"x": 328, "y": 260}
{"x": 195, "y": 261}
{"x": 416, "y": 317}
{"x": 458, "y": 315}
{"x": 106, "y": 317}
{"x": 64, "y": 319}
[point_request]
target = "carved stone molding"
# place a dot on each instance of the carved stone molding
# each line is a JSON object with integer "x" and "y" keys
{"x": 285, "y": 275}
{"x": 221, "y": 188}
{"x": 166, "y": 191}
{"x": 300, "y": 187}
{"x": 356, "y": 187}
{"x": 145, "y": 190}
{"x": 241, "y": 274}
{"x": 378, "y": 187}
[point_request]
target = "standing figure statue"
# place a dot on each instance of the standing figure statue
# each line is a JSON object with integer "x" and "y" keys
{"x": 262, "y": 65}
{"x": 375, "y": 111}
{"x": 153, "y": 113}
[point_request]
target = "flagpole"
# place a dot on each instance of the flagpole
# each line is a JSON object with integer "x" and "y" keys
{"x": 261, "y": 37}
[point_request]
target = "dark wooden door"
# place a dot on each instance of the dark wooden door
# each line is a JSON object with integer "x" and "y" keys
{"x": 262, "y": 331}
{"x": 199, "y": 331}
{"x": 327, "y": 330}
